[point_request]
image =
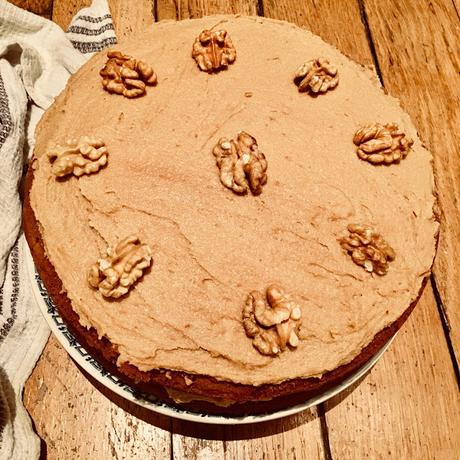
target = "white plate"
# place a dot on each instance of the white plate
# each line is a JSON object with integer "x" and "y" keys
{"x": 113, "y": 383}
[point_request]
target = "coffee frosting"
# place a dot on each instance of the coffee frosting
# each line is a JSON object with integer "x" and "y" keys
{"x": 211, "y": 247}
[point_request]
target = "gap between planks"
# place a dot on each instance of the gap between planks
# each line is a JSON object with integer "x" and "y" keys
{"x": 370, "y": 40}
{"x": 446, "y": 328}
{"x": 260, "y": 8}
{"x": 456, "y": 7}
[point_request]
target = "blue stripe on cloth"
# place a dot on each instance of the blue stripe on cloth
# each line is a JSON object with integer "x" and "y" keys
{"x": 92, "y": 47}
{"x": 88, "y": 32}
{"x": 91, "y": 19}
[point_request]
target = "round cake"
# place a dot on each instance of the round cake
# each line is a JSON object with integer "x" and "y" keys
{"x": 229, "y": 213}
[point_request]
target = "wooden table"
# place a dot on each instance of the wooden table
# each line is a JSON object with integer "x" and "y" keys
{"x": 408, "y": 407}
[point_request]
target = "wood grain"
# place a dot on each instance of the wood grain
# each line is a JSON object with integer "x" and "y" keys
{"x": 419, "y": 54}
{"x": 75, "y": 419}
{"x": 41, "y": 7}
{"x": 130, "y": 17}
{"x": 65, "y": 10}
{"x": 296, "y": 437}
{"x": 196, "y": 441}
{"x": 336, "y": 21}
{"x": 409, "y": 405}
{"x": 457, "y": 7}
{"x": 184, "y": 9}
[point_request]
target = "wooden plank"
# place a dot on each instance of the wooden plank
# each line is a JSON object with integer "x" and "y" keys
{"x": 77, "y": 418}
{"x": 184, "y": 9}
{"x": 65, "y": 10}
{"x": 130, "y": 17}
{"x": 40, "y": 7}
{"x": 418, "y": 49}
{"x": 294, "y": 437}
{"x": 192, "y": 441}
{"x": 409, "y": 405}
{"x": 336, "y": 21}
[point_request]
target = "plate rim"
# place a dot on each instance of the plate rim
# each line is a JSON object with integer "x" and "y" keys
{"x": 107, "y": 379}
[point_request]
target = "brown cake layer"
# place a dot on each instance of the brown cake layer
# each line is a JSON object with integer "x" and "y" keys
{"x": 251, "y": 399}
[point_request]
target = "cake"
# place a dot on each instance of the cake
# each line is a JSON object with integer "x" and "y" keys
{"x": 273, "y": 205}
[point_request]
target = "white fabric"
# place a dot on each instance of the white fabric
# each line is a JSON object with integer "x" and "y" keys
{"x": 36, "y": 59}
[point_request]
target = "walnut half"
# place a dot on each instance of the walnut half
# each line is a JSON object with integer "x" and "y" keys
{"x": 316, "y": 76}
{"x": 114, "y": 275}
{"x": 242, "y": 166}
{"x": 213, "y": 50}
{"x": 272, "y": 323}
{"x": 85, "y": 155}
{"x": 125, "y": 75}
{"x": 368, "y": 249}
{"x": 382, "y": 143}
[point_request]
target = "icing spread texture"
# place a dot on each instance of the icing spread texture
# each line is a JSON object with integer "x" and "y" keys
{"x": 212, "y": 247}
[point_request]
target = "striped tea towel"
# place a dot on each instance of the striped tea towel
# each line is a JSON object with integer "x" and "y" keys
{"x": 36, "y": 59}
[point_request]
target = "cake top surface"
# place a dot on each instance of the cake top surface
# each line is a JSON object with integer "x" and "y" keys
{"x": 211, "y": 247}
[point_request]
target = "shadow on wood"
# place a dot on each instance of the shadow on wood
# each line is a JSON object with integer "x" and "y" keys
{"x": 336, "y": 400}
{"x": 241, "y": 432}
{"x": 146, "y": 415}
{"x": 203, "y": 430}
{"x": 219, "y": 432}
